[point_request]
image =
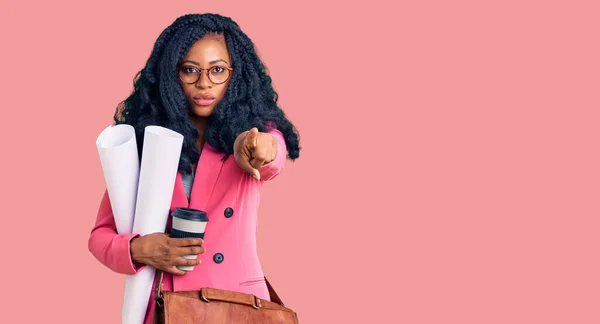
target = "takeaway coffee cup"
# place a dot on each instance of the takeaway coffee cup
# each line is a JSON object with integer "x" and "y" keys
{"x": 188, "y": 222}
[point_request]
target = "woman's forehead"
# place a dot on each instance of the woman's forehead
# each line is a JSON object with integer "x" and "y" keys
{"x": 208, "y": 48}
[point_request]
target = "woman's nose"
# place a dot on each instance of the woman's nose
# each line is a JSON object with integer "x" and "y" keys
{"x": 204, "y": 81}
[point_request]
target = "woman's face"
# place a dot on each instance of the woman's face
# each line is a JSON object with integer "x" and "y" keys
{"x": 208, "y": 55}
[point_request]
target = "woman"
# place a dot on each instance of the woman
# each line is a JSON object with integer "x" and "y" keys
{"x": 204, "y": 80}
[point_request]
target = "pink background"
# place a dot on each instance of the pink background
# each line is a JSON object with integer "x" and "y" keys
{"x": 450, "y": 170}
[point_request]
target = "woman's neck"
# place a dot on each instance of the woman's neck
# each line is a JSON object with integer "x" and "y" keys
{"x": 201, "y": 124}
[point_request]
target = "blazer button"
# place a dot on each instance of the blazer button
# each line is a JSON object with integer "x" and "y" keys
{"x": 228, "y": 212}
{"x": 218, "y": 258}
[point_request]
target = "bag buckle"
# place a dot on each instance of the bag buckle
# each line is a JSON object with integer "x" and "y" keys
{"x": 202, "y": 296}
{"x": 257, "y": 303}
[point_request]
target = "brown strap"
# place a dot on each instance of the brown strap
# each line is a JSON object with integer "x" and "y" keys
{"x": 274, "y": 297}
{"x": 159, "y": 285}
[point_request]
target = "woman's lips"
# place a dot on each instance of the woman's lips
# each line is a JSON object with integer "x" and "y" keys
{"x": 204, "y": 100}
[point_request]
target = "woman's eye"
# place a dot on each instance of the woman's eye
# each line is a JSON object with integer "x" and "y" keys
{"x": 189, "y": 70}
{"x": 218, "y": 69}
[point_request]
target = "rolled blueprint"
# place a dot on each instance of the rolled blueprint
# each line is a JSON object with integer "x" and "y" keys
{"x": 158, "y": 171}
{"x": 119, "y": 158}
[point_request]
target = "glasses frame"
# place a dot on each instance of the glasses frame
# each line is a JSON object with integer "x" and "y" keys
{"x": 202, "y": 71}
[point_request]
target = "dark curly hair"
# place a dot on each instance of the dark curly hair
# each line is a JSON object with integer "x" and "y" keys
{"x": 250, "y": 100}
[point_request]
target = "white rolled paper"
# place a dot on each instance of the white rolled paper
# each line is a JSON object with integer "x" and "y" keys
{"x": 119, "y": 158}
{"x": 158, "y": 171}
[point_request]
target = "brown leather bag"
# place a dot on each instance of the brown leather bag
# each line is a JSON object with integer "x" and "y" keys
{"x": 211, "y": 306}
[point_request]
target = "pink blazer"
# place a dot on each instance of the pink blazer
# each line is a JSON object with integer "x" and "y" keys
{"x": 231, "y": 198}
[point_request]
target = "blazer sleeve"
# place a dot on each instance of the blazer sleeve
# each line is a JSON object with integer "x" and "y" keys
{"x": 109, "y": 247}
{"x": 273, "y": 168}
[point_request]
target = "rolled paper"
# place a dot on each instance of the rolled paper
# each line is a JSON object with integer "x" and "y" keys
{"x": 117, "y": 148}
{"x": 158, "y": 171}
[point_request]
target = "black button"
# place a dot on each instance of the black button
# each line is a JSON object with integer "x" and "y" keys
{"x": 218, "y": 257}
{"x": 228, "y": 212}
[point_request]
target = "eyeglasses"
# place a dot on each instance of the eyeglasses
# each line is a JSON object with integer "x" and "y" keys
{"x": 216, "y": 74}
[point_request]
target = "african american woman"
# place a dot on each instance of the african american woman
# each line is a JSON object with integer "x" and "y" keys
{"x": 205, "y": 81}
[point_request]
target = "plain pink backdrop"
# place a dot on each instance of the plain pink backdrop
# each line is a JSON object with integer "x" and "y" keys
{"x": 449, "y": 171}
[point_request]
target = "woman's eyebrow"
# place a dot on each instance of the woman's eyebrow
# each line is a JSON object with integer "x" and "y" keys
{"x": 219, "y": 60}
{"x": 188, "y": 61}
{"x": 211, "y": 62}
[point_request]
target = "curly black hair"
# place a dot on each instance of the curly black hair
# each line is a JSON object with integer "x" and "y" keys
{"x": 250, "y": 100}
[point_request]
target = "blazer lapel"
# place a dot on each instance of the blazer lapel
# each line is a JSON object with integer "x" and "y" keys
{"x": 208, "y": 171}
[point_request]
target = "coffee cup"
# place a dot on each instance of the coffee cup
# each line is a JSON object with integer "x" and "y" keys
{"x": 188, "y": 222}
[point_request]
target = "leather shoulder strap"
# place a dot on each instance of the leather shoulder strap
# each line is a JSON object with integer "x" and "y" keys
{"x": 274, "y": 297}
{"x": 158, "y": 285}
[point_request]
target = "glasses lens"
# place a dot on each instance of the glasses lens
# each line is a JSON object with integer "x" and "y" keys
{"x": 218, "y": 74}
{"x": 188, "y": 74}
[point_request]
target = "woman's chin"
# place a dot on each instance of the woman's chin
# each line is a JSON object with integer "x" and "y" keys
{"x": 202, "y": 111}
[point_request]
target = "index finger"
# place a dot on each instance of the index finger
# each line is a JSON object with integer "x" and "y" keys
{"x": 187, "y": 241}
{"x": 252, "y": 138}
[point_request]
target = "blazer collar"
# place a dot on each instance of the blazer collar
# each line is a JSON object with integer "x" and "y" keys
{"x": 207, "y": 172}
